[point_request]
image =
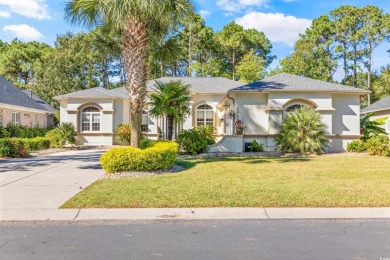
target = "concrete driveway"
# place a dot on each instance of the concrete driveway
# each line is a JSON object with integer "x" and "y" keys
{"x": 46, "y": 182}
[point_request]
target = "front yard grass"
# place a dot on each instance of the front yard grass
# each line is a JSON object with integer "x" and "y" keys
{"x": 339, "y": 181}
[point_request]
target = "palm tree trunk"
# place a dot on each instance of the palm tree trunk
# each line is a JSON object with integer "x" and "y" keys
{"x": 170, "y": 127}
{"x": 134, "y": 43}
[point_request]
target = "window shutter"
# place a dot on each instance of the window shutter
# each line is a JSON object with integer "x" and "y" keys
{"x": 388, "y": 126}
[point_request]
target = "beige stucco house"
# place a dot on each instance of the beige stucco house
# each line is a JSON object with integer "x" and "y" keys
{"x": 260, "y": 106}
{"x": 381, "y": 109}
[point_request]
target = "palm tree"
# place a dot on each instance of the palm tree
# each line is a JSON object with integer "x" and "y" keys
{"x": 171, "y": 100}
{"x": 136, "y": 21}
{"x": 369, "y": 128}
{"x": 302, "y": 132}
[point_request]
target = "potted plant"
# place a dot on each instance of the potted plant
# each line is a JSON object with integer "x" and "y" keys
{"x": 240, "y": 127}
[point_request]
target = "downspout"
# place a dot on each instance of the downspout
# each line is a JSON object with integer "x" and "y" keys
{"x": 234, "y": 101}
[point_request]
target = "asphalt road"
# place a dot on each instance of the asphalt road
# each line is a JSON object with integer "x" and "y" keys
{"x": 212, "y": 239}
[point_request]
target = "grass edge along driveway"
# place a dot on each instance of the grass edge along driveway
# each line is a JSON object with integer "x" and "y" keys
{"x": 326, "y": 181}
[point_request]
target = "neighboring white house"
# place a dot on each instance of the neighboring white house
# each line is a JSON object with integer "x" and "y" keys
{"x": 381, "y": 109}
{"x": 261, "y": 106}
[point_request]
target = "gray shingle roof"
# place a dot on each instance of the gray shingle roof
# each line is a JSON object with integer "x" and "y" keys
{"x": 40, "y": 101}
{"x": 198, "y": 85}
{"x": 97, "y": 92}
{"x": 382, "y": 104}
{"x": 289, "y": 82}
{"x": 201, "y": 84}
{"x": 11, "y": 95}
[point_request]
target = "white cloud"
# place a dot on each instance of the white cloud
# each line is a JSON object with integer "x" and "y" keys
{"x": 276, "y": 26}
{"x": 239, "y": 5}
{"x": 36, "y": 9}
{"x": 204, "y": 13}
{"x": 5, "y": 14}
{"x": 23, "y": 32}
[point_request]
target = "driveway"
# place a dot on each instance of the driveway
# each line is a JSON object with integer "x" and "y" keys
{"x": 46, "y": 182}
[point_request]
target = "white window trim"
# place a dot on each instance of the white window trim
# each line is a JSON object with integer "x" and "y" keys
{"x": 145, "y": 113}
{"x": 388, "y": 126}
{"x": 14, "y": 122}
{"x": 34, "y": 120}
{"x": 90, "y": 123}
{"x": 204, "y": 113}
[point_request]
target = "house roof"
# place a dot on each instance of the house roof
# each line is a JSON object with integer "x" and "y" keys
{"x": 97, "y": 92}
{"x": 40, "y": 101}
{"x": 289, "y": 82}
{"x": 11, "y": 95}
{"x": 201, "y": 84}
{"x": 382, "y": 104}
{"x": 198, "y": 85}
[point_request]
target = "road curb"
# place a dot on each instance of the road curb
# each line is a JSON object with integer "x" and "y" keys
{"x": 192, "y": 214}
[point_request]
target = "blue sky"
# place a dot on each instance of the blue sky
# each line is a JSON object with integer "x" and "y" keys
{"x": 280, "y": 20}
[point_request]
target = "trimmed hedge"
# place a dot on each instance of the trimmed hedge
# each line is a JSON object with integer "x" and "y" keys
{"x": 22, "y": 132}
{"x": 37, "y": 143}
{"x": 13, "y": 147}
{"x": 21, "y": 147}
{"x": 161, "y": 155}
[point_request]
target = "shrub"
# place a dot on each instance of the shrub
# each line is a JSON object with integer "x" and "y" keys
{"x": 146, "y": 143}
{"x": 254, "y": 147}
{"x": 357, "y": 146}
{"x": 37, "y": 143}
{"x": 378, "y": 145}
{"x": 4, "y": 133}
{"x": 123, "y": 133}
{"x": 302, "y": 132}
{"x": 63, "y": 134}
{"x": 192, "y": 141}
{"x": 207, "y": 131}
{"x": 161, "y": 155}
{"x": 13, "y": 147}
{"x": 24, "y": 131}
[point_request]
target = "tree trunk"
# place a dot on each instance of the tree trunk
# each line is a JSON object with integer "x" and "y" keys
{"x": 134, "y": 42}
{"x": 170, "y": 127}
{"x": 161, "y": 69}
{"x": 355, "y": 65}
{"x": 234, "y": 61}
{"x": 189, "y": 54}
{"x": 345, "y": 67}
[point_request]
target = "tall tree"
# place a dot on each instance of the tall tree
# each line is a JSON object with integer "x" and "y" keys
{"x": 381, "y": 85}
{"x": 164, "y": 52}
{"x": 250, "y": 68}
{"x": 108, "y": 52}
{"x": 71, "y": 66}
{"x": 236, "y": 42}
{"x": 376, "y": 29}
{"x": 137, "y": 21}
{"x": 18, "y": 59}
{"x": 171, "y": 100}
{"x": 231, "y": 39}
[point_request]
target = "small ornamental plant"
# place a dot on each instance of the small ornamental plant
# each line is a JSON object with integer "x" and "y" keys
{"x": 240, "y": 127}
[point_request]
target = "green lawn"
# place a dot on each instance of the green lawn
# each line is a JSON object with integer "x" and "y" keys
{"x": 339, "y": 181}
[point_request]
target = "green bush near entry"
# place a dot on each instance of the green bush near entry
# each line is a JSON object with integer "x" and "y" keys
{"x": 161, "y": 155}
{"x": 357, "y": 146}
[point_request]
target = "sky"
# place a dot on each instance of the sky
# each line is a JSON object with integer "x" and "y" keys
{"x": 280, "y": 20}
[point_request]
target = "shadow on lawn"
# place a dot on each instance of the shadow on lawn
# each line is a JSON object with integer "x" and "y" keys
{"x": 191, "y": 162}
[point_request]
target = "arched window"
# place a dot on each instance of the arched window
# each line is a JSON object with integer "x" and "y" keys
{"x": 90, "y": 119}
{"x": 294, "y": 107}
{"x": 204, "y": 115}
